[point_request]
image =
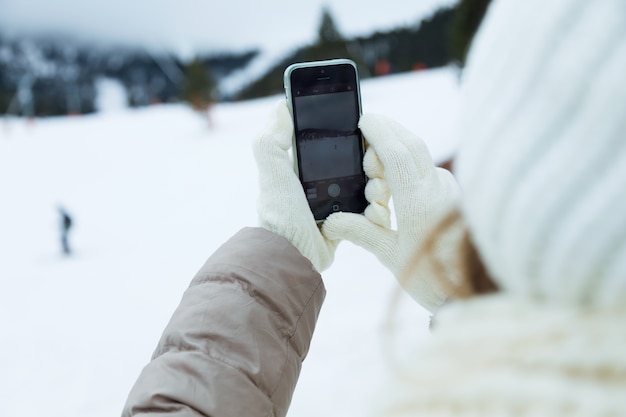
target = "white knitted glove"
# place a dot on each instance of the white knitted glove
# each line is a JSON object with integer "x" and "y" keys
{"x": 398, "y": 164}
{"x": 282, "y": 206}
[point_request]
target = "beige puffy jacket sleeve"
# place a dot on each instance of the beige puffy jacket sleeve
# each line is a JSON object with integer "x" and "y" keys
{"x": 235, "y": 344}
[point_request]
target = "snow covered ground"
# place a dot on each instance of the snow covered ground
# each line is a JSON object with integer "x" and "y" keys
{"x": 153, "y": 192}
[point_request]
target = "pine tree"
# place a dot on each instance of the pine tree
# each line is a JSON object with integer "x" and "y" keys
{"x": 328, "y": 31}
{"x": 198, "y": 85}
{"x": 466, "y": 21}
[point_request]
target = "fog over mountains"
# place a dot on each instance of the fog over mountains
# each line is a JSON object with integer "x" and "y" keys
{"x": 55, "y": 75}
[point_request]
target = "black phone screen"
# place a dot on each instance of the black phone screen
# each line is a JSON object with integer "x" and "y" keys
{"x": 327, "y": 136}
{"x": 326, "y": 110}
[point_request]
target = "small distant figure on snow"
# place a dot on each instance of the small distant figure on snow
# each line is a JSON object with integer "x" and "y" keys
{"x": 66, "y": 225}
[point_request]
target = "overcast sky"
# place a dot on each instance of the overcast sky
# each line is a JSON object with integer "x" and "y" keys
{"x": 187, "y": 26}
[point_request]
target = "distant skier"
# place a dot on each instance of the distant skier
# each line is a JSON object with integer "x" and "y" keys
{"x": 66, "y": 225}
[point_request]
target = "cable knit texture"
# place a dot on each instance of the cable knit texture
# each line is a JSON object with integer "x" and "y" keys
{"x": 542, "y": 167}
{"x": 543, "y": 161}
{"x": 502, "y": 356}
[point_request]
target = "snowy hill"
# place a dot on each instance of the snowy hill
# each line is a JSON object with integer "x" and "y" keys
{"x": 153, "y": 192}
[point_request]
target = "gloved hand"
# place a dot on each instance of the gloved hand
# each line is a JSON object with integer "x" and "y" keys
{"x": 399, "y": 165}
{"x": 282, "y": 206}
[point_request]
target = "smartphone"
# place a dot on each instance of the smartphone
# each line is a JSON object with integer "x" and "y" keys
{"x": 325, "y": 102}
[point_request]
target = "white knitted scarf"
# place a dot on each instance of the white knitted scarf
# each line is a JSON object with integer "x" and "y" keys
{"x": 497, "y": 356}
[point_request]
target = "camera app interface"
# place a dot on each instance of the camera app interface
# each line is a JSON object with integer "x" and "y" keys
{"x": 327, "y": 136}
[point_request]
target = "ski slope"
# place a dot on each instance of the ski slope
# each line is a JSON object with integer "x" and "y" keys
{"x": 153, "y": 192}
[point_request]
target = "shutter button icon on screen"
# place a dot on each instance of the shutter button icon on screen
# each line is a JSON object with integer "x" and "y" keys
{"x": 334, "y": 190}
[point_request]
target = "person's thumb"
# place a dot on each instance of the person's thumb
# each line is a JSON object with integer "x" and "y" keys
{"x": 357, "y": 229}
